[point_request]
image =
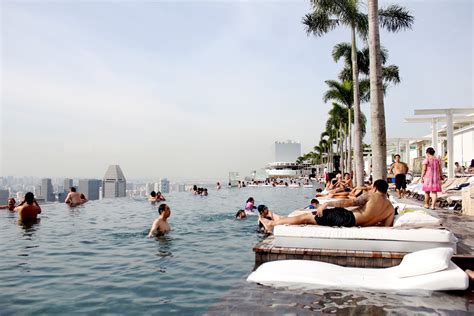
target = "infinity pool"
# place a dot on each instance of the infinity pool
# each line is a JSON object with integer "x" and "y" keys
{"x": 96, "y": 259}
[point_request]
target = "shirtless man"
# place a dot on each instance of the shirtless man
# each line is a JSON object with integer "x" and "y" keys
{"x": 267, "y": 215}
{"x": 10, "y": 205}
{"x": 73, "y": 198}
{"x": 29, "y": 209}
{"x": 399, "y": 169}
{"x": 160, "y": 225}
{"x": 374, "y": 208}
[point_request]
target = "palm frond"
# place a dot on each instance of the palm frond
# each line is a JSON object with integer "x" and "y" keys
{"x": 391, "y": 74}
{"x": 395, "y": 18}
{"x": 319, "y": 23}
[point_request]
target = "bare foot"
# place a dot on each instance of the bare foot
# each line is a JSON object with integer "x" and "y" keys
{"x": 470, "y": 274}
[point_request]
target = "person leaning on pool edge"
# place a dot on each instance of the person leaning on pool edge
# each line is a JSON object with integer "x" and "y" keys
{"x": 373, "y": 209}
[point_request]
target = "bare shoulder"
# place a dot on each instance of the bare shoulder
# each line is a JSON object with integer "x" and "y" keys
{"x": 363, "y": 199}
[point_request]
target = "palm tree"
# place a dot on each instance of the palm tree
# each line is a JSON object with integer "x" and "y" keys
{"x": 342, "y": 93}
{"x": 326, "y": 16}
{"x": 390, "y": 73}
{"x": 377, "y": 110}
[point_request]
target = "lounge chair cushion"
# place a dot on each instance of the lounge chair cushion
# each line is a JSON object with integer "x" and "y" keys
{"x": 416, "y": 219}
{"x": 424, "y": 262}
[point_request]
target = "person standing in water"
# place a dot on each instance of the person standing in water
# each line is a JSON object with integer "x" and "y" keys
{"x": 10, "y": 206}
{"x": 160, "y": 225}
{"x": 29, "y": 209}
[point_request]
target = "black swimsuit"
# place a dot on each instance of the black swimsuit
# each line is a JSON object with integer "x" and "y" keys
{"x": 337, "y": 216}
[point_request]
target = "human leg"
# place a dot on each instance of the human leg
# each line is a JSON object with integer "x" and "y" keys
{"x": 434, "y": 197}
{"x": 427, "y": 200}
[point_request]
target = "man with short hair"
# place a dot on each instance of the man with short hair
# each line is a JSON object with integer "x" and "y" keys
{"x": 160, "y": 225}
{"x": 10, "y": 205}
{"x": 399, "y": 169}
{"x": 29, "y": 209}
{"x": 73, "y": 198}
{"x": 374, "y": 209}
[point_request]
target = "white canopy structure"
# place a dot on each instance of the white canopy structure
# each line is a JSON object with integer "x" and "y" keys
{"x": 465, "y": 116}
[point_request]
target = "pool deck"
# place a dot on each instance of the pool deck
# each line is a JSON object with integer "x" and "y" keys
{"x": 461, "y": 225}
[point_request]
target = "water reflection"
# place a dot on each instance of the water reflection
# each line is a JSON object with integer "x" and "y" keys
{"x": 29, "y": 227}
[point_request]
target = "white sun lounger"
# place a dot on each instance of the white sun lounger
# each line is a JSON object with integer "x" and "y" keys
{"x": 426, "y": 275}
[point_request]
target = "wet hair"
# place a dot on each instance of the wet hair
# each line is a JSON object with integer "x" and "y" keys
{"x": 430, "y": 151}
{"x": 261, "y": 208}
{"x": 152, "y": 193}
{"x": 195, "y": 187}
{"x": 73, "y": 189}
{"x": 456, "y": 163}
{"x": 319, "y": 190}
{"x": 346, "y": 173}
{"x": 237, "y": 215}
{"x": 83, "y": 196}
{"x": 250, "y": 199}
{"x": 381, "y": 185}
{"x": 472, "y": 163}
{"x": 396, "y": 155}
{"x": 11, "y": 199}
{"x": 314, "y": 201}
{"x": 29, "y": 197}
{"x": 161, "y": 208}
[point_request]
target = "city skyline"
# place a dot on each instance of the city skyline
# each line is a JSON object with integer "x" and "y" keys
{"x": 162, "y": 101}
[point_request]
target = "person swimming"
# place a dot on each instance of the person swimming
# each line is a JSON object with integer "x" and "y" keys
{"x": 240, "y": 214}
{"x": 10, "y": 206}
{"x": 250, "y": 204}
{"x": 160, "y": 225}
{"x": 29, "y": 209}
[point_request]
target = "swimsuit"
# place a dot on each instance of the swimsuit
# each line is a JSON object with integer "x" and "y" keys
{"x": 337, "y": 216}
{"x": 400, "y": 181}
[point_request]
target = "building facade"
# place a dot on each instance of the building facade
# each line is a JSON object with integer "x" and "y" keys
{"x": 90, "y": 188}
{"x": 67, "y": 184}
{"x": 47, "y": 193}
{"x": 4, "y": 195}
{"x": 164, "y": 185}
{"x": 114, "y": 183}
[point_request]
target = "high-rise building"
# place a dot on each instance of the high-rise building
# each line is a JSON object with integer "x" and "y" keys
{"x": 67, "y": 184}
{"x": 47, "y": 190}
{"x": 149, "y": 187}
{"x": 90, "y": 188}
{"x": 164, "y": 186}
{"x": 4, "y": 195}
{"x": 114, "y": 183}
{"x": 287, "y": 151}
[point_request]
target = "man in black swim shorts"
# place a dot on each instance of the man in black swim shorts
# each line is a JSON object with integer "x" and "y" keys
{"x": 371, "y": 209}
{"x": 337, "y": 216}
{"x": 399, "y": 169}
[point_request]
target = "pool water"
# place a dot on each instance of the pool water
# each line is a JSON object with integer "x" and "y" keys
{"x": 96, "y": 259}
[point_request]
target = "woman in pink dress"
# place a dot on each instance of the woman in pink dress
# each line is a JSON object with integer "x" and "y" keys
{"x": 431, "y": 176}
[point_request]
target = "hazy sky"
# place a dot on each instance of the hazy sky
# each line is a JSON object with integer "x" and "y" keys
{"x": 195, "y": 89}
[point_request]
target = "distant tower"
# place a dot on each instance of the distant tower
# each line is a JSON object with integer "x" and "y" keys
{"x": 67, "y": 184}
{"x": 149, "y": 187}
{"x": 90, "y": 188}
{"x": 47, "y": 190}
{"x": 114, "y": 183}
{"x": 164, "y": 186}
{"x": 4, "y": 195}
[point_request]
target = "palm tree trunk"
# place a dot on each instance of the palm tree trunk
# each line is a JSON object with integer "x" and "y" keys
{"x": 359, "y": 159}
{"x": 379, "y": 133}
{"x": 349, "y": 145}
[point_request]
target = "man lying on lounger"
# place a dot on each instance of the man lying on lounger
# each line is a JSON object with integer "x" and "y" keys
{"x": 374, "y": 209}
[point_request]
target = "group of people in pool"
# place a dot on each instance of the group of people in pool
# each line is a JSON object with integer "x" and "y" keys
{"x": 200, "y": 191}
{"x": 372, "y": 208}
{"x": 156, "y": 197}
{"x": 28, "y": 209}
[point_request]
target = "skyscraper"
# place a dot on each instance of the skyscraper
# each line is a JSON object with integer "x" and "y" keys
{"x": 67, "y": 184}
{"x": 114, "y": 183}
{"x": 164, "y": 186}
{"x": 4, "y": 195}
{"x": 47, "y": 190}
{"x": 90, "y": 188}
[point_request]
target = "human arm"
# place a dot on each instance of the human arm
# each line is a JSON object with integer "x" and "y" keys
{"x": 39, "y": 208}
{"x": 68, "y": 198}
{"x": 390, "y": 170}
{"x": 3, "y": 207}
{"x": 361, "y": 200}
{"x": 154, "y": 228}
{"x": 440, "y": 172}
{"x": 423, "y": 171}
